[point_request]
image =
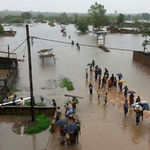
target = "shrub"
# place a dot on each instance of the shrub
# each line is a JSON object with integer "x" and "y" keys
{"x": 42, "y": 123}
{"x": 66, "y": 83}
{"x": 51, "y": 24}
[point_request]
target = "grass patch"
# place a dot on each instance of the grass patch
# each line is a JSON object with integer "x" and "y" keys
{"x": 13, "y": 90}
{"x": 51, "y": 24}
{"x": 27, "y": 103}
{"x": 66, "y": 83}
{"x": 42, "y": 122}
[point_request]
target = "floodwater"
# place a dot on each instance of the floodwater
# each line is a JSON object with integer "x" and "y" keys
{"x": 102, "y": 128}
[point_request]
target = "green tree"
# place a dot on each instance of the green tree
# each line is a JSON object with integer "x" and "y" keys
{"x": 26, "y": 15}
{"x": 138, "y": 25}
{"x": 75, "y": 18}
{"x": 82, "y": 25}
{"x": 146, "y": 35}
{"x": 40, "y": 17}
{"x": 1, "y": 29}
{"x": 97, "y": 14}
{"x": 145, "y": 16}
{"x": 64, "y": 19}
{"x": 120, "y": 19}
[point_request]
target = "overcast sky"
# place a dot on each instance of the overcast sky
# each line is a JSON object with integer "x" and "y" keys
{"x": 121, "y": 6}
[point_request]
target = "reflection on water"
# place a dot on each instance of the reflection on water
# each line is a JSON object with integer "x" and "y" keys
{"x": 34, "y": 142}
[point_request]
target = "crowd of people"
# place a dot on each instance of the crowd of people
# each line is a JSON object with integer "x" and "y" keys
{"x": 106, "y": 83}
{"x": 69, "y": 126}
{"x": 10, "y": 98}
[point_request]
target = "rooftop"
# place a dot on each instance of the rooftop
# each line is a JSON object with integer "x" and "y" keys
{"x": 5, "y": 55}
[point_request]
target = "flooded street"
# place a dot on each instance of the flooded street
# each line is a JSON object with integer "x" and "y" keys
{"x": 104, "y": 128}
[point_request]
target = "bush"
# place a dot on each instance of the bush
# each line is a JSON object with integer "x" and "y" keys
{"x": 42, "y": 123}
{"x": 82, "y": 25}
{"x": 1, "y": 29}
{"x": 13, "y": 90}
{"x": 51, "y": 24}
{"x": 27, "y": 103}
{"x": 66, "y": 83}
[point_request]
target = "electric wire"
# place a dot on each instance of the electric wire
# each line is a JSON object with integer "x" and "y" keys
{"x": 5, "y": 45}
{"x": 18, "y": 46}
{"x": 81, "y": 44}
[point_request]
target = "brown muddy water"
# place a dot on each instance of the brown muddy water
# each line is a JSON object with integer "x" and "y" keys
{"x": 102, "y": 128}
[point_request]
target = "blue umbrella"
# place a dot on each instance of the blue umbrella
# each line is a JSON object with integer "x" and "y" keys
{"x": 143, "y": 104}
{"x": 61, "y": 122}
{"x": 119, "y": 75}
{"x": 130, "y": 92}
{"x": 71, "y": 127}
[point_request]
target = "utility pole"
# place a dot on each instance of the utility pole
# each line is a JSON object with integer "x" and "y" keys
{"x": 8, "y": 59}
{"x": 30, "y": 72}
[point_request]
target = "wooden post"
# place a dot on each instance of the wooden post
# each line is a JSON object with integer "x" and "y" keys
{"x": 30, "y": 73}
{"x": 8, "y": 60}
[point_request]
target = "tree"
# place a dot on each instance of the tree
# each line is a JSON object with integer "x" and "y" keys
{"x": 64, "y": 19}
{"x": 82, "y": 25}
{"x": 1, "y": 29}
{"x": 97, "y": 14}
{"x": 75, "y": 17}
{"x": 26, "y": 15}
{"x": 145, "y": 16}
{"x": 40, "y": 17}
{"x": 146, "y": 34}
{"x": 120, "y": 19}
{"x": 137, "y": 24}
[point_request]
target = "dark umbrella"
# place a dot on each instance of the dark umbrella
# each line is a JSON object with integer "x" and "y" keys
{"x": 143, "y": 104}
{"x": 71, "y": 127}
{"x": 89, "y": 64}
{"x": 61, "y": 122}
{"x": 119, "y": 75}
{"x": 146, "y": 106}
{"x": 130, "y": 92}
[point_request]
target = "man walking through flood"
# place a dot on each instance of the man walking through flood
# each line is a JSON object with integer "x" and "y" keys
{"x": 125, "y": 106}
{"x": 91, "y": 88}
{"x": 86, "y": 72}
{"x": 105, "y": 99}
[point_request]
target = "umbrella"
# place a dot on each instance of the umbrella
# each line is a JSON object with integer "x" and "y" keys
{"x": 89, "y": 64}
{"x": 143, "y": 104}
{"x": 122, "y": 80}
{"x": 71, "y": 127}
{"x": 119, "y": 75}
{"x": 61, "y": 122}
{"x": 130, "y": 92}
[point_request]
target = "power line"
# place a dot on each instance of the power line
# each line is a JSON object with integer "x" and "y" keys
{"x": 23, "y": 50}
{"x": 18, "y": 46}
{"x": 5, "y": 45}
{"x": 86, "y": 45}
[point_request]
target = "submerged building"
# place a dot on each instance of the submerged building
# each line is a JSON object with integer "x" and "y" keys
{"x": 8, "y": 70}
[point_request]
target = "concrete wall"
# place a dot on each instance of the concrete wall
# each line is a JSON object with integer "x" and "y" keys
{"x": 142, "y": 58}
{"x": 26, "y": 110}
{"x": 11, "y": 78}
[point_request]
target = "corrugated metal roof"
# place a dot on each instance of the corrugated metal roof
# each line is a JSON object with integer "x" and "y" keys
{"x": 5, "y": 55}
